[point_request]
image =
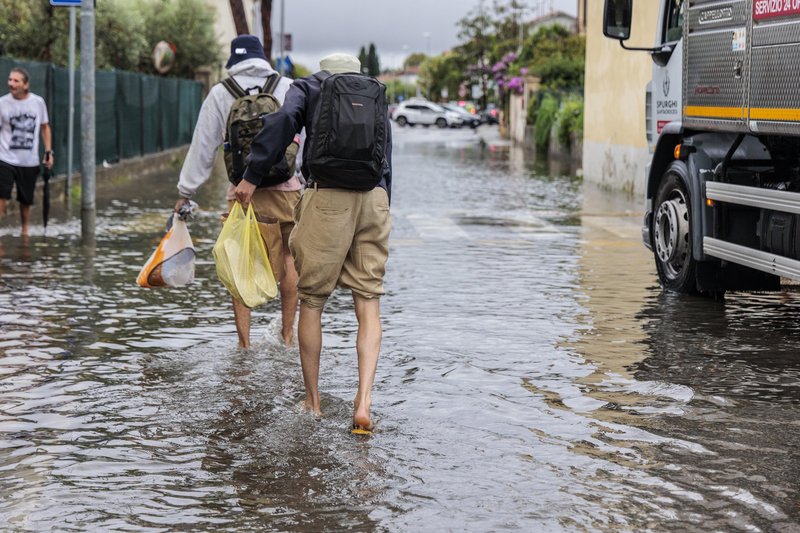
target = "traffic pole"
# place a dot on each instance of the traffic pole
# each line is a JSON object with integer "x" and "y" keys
{"x": 71, "y": 116}
{"x": 88, "y": 150}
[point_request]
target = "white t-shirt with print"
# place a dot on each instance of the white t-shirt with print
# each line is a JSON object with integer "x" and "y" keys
{"x": 20, "y": 123}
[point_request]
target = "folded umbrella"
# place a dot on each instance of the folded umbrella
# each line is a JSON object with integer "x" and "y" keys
{"x": 46, "y": 196}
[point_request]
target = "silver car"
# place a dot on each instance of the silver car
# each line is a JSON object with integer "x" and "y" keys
{"x": 417, "y": 111}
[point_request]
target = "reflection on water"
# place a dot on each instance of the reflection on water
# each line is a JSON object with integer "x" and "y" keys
{"x": 533, "y": 376}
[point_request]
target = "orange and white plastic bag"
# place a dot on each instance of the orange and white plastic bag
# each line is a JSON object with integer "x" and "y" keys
{"x": 172, "y": 264}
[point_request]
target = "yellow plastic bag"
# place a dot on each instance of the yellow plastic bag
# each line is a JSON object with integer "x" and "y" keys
{"x": 242, "y": 260}
{"x": 172, "y": 264}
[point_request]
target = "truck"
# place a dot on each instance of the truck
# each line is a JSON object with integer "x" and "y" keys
{"x": 723, "y": 127}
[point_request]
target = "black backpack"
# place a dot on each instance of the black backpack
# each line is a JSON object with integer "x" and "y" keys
{"x": 348, "y": 136}
{"x": 245, "y": 120}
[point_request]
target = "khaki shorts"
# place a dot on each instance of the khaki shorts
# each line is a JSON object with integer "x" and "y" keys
{"x": 278, "y": 208}
{"x": 341, "y": 238}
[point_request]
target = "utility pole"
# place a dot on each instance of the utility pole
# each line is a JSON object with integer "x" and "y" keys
{"x": 87, "y": 123}
{"x": 239, "y": 17}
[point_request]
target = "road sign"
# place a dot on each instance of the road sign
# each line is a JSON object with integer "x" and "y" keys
{"x": 65, "y": 3}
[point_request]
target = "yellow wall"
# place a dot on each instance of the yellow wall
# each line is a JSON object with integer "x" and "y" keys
{"x": 615, "y": 146}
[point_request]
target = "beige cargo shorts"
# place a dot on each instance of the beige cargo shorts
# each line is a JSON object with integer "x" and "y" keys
{"x": 341, "y": 237}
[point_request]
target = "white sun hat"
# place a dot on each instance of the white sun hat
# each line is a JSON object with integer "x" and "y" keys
{"x": 340, "y": 64}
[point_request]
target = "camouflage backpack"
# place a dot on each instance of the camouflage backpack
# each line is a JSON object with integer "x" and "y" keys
{"x": 245, "y": 120}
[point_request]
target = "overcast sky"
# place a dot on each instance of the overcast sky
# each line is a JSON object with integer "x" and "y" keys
{"x": 320, "y": 27}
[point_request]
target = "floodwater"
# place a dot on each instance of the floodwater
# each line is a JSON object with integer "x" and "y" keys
{"x": 533, "y": 376}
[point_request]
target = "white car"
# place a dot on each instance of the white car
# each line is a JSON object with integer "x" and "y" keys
{"x": 423, "y": 112}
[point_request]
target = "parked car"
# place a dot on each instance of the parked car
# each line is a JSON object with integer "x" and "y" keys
{"x": 490, "y": 115}
{"x": 417, "y": 111}
{"x": 473, "y": 121}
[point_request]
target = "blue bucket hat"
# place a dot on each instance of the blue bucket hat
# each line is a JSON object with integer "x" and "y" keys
{"x": 245, "y": 47}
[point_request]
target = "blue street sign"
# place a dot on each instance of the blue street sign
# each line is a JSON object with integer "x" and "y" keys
{"x": 67, "y": 3}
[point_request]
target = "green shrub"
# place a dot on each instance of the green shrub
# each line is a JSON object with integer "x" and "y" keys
{"x": 570, "y": 120}
{"x": 545, "y": 118}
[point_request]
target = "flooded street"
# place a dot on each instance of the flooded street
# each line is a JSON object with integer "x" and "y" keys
{"x": 533, "y": 376}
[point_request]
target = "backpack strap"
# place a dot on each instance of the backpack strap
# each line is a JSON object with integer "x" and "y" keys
{"x": 271, "y": 84}
{"x": 322, "y": 75}
{"x": 233, "y": 87}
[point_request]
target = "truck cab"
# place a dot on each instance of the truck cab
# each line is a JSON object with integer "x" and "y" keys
{"x": 723, "y": 126}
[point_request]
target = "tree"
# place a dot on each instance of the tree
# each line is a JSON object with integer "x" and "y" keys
{"x": 35, "y": 30}
{"x": 266, "y": 25}
{"x": 362, "y": 57}
{"x": 126, "y": 32}
{"x": 239, "y": 18}
{"x": 441, "y": 74}
{"x": 189, "y": 25}
{"x": 120, "y": 42}
{"x": 556, "y": 56}
{"x": 474, "y": 52}
{"x": 414, "y": 60}
{"x": 373, "y": 64}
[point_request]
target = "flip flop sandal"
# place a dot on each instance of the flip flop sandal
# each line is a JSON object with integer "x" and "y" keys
{"x": 356, "y": 430}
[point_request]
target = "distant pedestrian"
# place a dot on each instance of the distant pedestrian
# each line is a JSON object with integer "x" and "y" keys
{"x": 343, "y": 220}
{"x": 250, "y": 72}
{"x": 23, "y": 118}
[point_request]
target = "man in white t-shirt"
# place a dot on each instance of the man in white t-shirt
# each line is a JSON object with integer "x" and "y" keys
{"x": 249, "y": 67}
{"x": 23, "y": 118}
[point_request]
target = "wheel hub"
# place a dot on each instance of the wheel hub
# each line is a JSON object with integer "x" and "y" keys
{"x": 672, "y": 233}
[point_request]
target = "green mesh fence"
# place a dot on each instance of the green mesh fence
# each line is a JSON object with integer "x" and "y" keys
{"x": 129, "y": 118}
{"x": 58, "y": 108}
{"x": 169, "y": 112}
{"x": 151, "y": 114}
{"x": 105, "y": 100}
{"x": 136, "y": 114}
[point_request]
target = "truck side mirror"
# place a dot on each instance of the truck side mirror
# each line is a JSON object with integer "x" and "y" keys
{"x": 617, "y": 19}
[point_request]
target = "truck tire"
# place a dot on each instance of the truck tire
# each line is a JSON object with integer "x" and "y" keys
{"x": 672, "y": 233}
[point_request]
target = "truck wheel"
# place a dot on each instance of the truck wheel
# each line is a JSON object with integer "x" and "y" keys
{"x": 672, "y": 236}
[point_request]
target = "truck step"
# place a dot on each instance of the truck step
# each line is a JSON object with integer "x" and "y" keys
{"x": 750, "y": 257}
{"x": 785, "y": 201}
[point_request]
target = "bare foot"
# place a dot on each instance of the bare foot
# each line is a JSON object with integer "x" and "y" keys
{"x": 361, "y": 417}
{"x": 288, "y": 339}
{"x": 306, "y": 405}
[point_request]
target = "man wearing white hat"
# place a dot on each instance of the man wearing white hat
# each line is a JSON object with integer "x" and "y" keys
{"x": 249, "y": 67}
{"x": 342, "y": 232}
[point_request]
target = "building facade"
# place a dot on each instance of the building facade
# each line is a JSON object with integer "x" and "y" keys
{"x": 615, "y": 152}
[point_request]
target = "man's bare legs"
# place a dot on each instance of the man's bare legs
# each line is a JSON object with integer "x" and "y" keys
{"x": 24, "y": 217}
{"x": 368, "y": 347}
{"x": 241, "y": 316}
{"x": 288, "y": 288}
{"x": 309, "y": 334}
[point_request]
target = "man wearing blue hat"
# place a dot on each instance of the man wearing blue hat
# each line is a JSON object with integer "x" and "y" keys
{"x": 249, "y": 68}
